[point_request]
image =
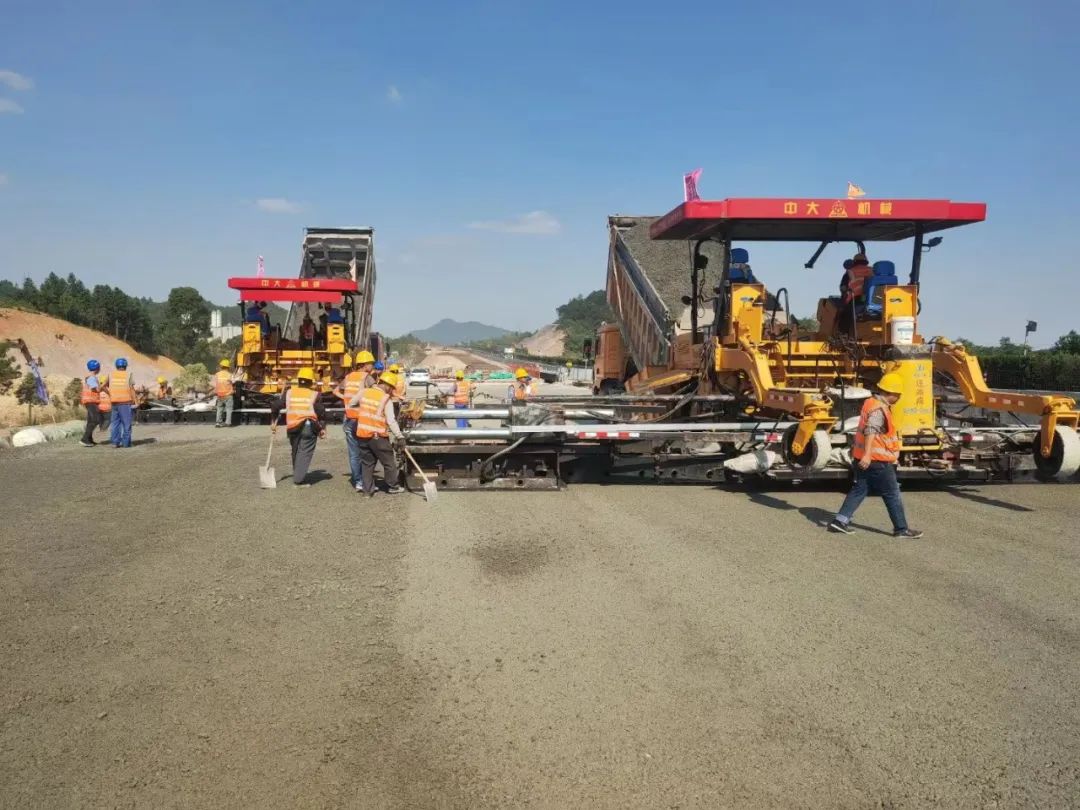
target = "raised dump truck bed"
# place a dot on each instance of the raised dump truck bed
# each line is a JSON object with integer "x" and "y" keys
{"x": 646, "y": 282}
{"x": 340, "y": 253}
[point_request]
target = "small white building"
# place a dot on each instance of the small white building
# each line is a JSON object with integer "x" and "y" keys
{"x": 222, "y": 333}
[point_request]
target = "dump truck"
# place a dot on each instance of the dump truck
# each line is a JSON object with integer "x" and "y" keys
{"x": 706, "y": 376}
{"x": 329, "y": 318}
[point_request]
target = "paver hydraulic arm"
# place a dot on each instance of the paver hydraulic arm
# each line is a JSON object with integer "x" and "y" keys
{"x": 1055, "y": 411}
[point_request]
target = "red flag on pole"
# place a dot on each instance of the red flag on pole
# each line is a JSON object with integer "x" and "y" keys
{"x": 689, "y": 180}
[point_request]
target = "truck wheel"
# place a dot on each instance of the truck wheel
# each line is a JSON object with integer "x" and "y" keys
{"x": 609, "y": 387}
{"x": 814, "y": 456}
{"x": 1064, "y": 459}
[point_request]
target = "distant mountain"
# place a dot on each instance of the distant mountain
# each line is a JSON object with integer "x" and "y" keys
{"x": 448, "y": 332}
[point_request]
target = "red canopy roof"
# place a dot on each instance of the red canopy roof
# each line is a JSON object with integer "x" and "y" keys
{"x": 321, "y": 290}
{"x": 795, "y": 219}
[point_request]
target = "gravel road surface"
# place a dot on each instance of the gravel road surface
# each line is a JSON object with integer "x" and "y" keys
{"x": 171, "y": 636}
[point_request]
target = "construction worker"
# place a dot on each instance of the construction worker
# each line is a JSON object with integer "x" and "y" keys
{"x": 164, "y": 390}
{"x": 352, "y": 384}
{"x": 375, "y": 426}
{"x": 851, "y": 288}
{"x": 402, "y": 384}
{"x": 305, "y": 420}
{"x": 462, "y": 395}
{"x": 223, "y": 395}
{"x": 522, "y": 388}
{"x": 876, "y": 454}
{"x": 91, "y": 397}
{"x": 122, "y": 396}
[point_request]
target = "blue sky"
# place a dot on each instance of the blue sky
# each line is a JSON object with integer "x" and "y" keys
{"x": 138, "y": 139}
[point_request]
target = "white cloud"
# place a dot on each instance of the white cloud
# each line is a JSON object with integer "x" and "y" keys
{"x": 539, "y": 223}
{"x": 278, "y": 205}
{"x": 16, "y": 81}
{"x": 9, "y": 106}
{"x": 393, "y": 95}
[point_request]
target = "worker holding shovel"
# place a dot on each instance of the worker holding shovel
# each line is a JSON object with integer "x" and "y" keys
{"x": 304, "y": 422}
{"x": 375, "y": 425}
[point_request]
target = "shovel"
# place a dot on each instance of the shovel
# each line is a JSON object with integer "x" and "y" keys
{"x": 430, "y": 492}
{"x": 267, "y": 476}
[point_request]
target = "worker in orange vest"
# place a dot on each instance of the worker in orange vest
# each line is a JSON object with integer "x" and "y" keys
{"x": 462, "y": 395}
{"x": 122, "y": 396}
{"x": 352, "y": 384}
{"x": 305, "y": 420}
{"x": 90, "y": 398}
{"x": 856, "y": 272}
{"x": 164, "y": 390}
{"x": 376, "y": 425}
{"x": 402, "y": 384}
{"x": 876, "y": 454}
{"x": 522, "y": 388}
{"x": 223, "y": 395}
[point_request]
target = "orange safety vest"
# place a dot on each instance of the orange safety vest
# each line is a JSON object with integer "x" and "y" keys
{"x": 352, "y": 385}
{"x": 163, "y": 391}
{"x": 120, "y": 387}
{"x": 461, "y": 392}
{"x": 884, "y": 446}
{"x": 371, "y": 421}
{"x": 104, "y": 402}
{"x": 400, "y": 388}
{"x": 856, "y": 280}
{"x": 299, "y": 407}
{"x": 522, "y": 391}
{"x": 89, "y": 396}
{"x": 223, "y": 386}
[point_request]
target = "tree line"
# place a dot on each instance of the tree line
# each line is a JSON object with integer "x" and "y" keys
{"x": 178, "y": 328}
{"x": 1013, "y": 365}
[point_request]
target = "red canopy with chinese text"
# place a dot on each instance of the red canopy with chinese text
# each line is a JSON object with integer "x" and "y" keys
{"x": 310, "y": 290}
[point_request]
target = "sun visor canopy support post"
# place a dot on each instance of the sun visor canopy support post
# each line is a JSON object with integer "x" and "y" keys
{"x": 916, "y": 255}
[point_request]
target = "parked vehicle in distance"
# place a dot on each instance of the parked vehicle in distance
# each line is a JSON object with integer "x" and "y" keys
{"x": 418, "y": 376}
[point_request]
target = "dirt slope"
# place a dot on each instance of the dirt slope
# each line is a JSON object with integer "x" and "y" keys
{"x": 549, "y": 341}
{"x": 64, "y": 348}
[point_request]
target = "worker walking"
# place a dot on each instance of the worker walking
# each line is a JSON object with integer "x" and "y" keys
{"x": 351, "y": 385}
{"x": 304, "y": 422}
{"x": 462, "y": 395}
{"x": 522, "y": 388}
{"x": 375, "y": 426}
{"x": 91, "y": 397}
{"x": 223, "y": 394}
{"x": 122, "y": 395}
{"x": 876, "y": 454}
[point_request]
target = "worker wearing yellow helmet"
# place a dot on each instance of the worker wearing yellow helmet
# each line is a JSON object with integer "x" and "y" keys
{"x": 353, "y": 383}
{"x": 164, "y": 390}
{"x": 376, "y": 426}
{"x": 462, "y": 395}
{"x": 876, "y": 453}
{"x": 399, "y": 390}
{"x": 223, "y": 395}
{"x": 305, "y": 420}
{"x": 522, "y": 388}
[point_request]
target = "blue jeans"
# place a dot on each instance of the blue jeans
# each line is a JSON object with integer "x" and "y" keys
{"x": 352, "y": 443}
{"x": 881, "y": 478}
{"x": 462, "y": 422}
{"x": 120, "y": 427}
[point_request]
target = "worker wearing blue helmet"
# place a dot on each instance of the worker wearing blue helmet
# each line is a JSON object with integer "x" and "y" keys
{"x": 122, "y": 393}
{"x": 90, "y": 397}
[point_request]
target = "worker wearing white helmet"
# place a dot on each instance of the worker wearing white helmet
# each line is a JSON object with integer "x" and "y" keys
{"x": 876, "y": 453}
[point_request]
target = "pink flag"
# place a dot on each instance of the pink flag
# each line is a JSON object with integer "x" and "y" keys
{"x": 262, "y": 269}
{"x": 689, "y": 182}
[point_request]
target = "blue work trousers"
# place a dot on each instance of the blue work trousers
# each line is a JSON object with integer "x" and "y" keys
{"x": 352, "y": 443}
{"x": 881, "y": 478}
{"x": 462, "y": 423}
{"x": 120, "y": 428}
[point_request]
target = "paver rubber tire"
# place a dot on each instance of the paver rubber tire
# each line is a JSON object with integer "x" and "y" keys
{"x": 814, "y": 456}
{"x": 1064, "y": 459}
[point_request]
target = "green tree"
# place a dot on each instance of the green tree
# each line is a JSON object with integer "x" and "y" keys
{"x": 73, "y": 392}
{"x": 1069, "y": 344}
{"x": 185, "y": 324}
{"x": 26, "y": 393}
{"x": 579, "y": 317}
{"x": 194, "y": 377}
{"x": 9, "y": 372}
